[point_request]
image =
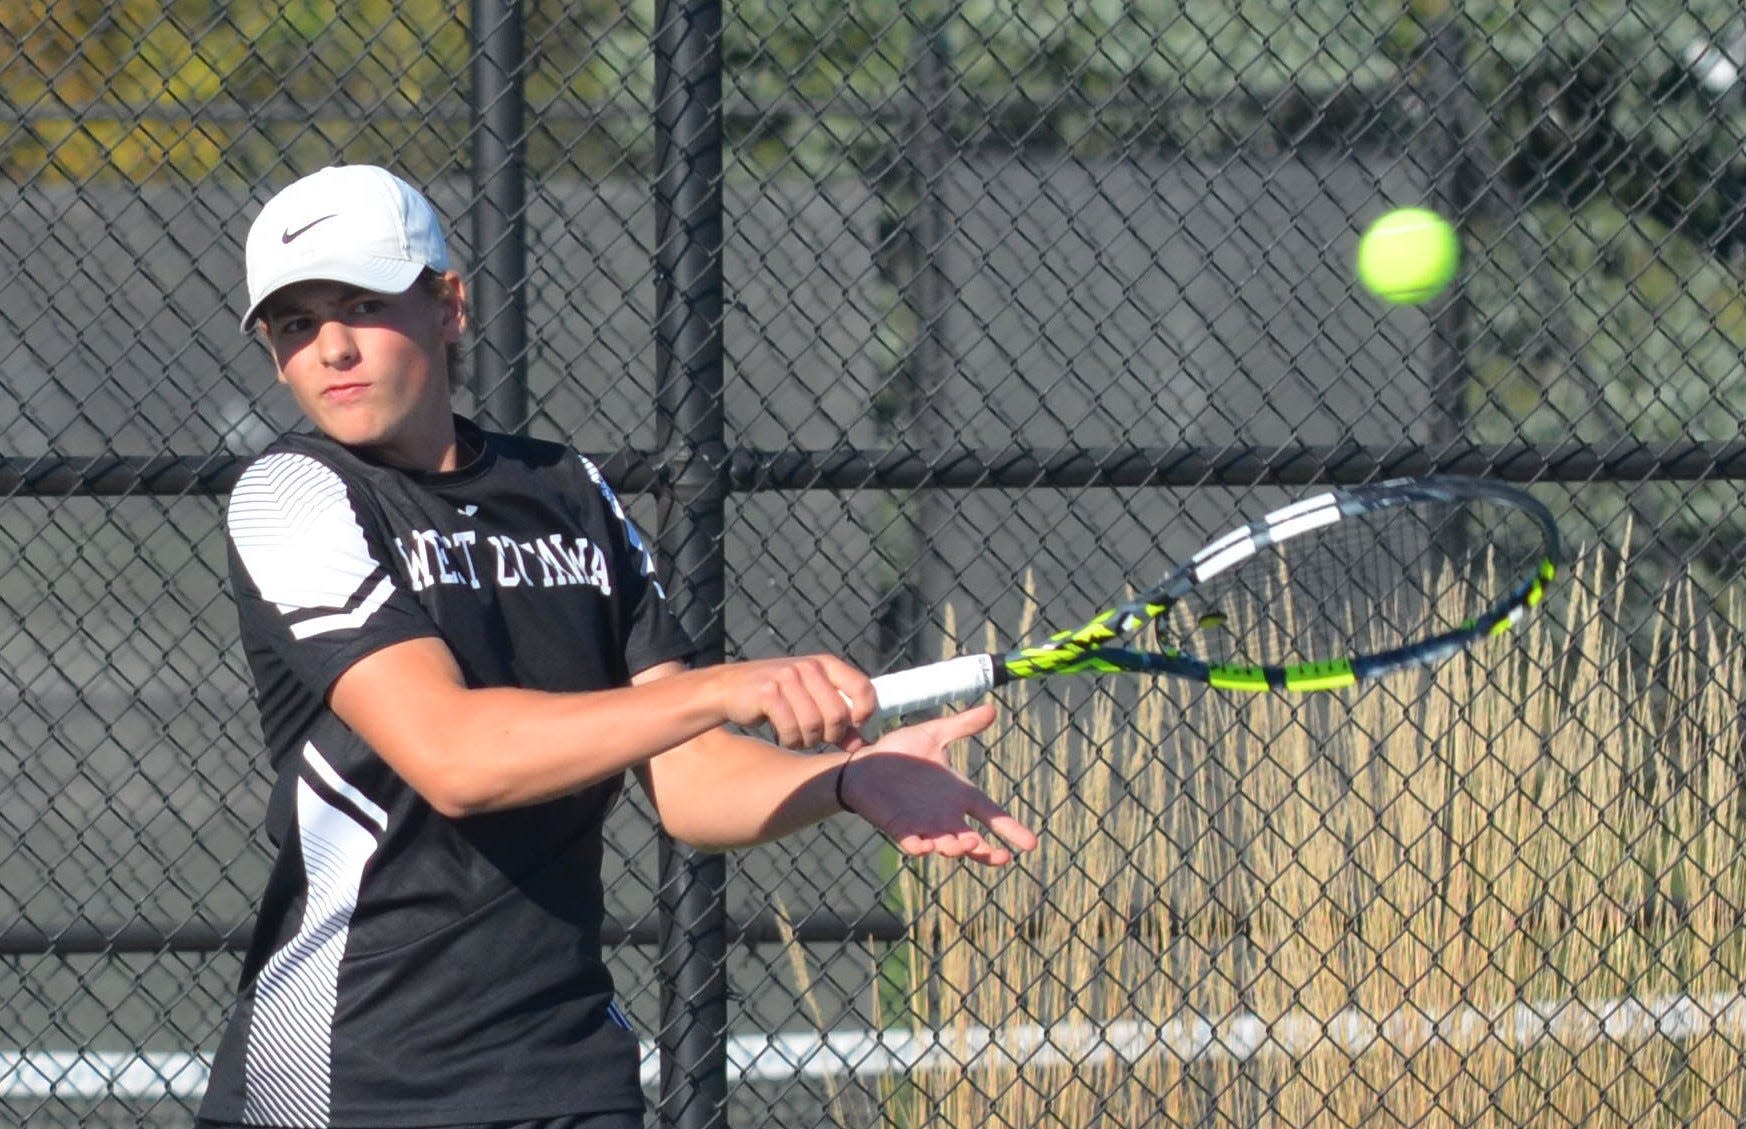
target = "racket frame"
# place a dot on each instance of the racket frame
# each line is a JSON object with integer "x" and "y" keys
{"x": 1094, "y": 647}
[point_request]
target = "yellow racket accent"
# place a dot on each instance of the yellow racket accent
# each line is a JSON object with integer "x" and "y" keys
{"x": 1044, "y": 660}
{"x": 1251, "y": 679}
{"x": 1094, "y": 634}
{"x": 1331, "y": 675}
{"x": 1064, "y": 653}
{"x": 1548, "y": 571}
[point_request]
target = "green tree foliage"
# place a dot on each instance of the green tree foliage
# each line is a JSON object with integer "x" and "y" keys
{"x": 193, "y": 89}
{"x": 139, "y": 89}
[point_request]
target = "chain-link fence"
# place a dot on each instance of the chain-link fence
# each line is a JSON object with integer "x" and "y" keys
{"x": 908, "y": 326}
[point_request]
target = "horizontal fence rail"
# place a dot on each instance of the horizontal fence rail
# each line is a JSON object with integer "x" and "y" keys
{"x": 89, "y": 938}
{"x": 751, "y": 472}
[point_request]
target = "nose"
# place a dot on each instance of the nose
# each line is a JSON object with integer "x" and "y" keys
{"x": 338, "y": 348}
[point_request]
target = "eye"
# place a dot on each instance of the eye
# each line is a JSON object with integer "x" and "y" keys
{"x": 369, "y": 306}
{"x": 294, "y": 324}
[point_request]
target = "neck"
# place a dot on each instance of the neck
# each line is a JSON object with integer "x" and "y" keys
{"x": 436, "y": 449}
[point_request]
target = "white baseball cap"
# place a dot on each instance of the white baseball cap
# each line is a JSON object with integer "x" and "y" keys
{"x": 356, "y": 224}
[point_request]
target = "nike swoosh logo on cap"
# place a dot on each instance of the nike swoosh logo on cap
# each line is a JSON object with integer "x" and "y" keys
{"x": 289, "y": 235}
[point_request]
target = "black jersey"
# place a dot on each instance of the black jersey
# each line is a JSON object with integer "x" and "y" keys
{"x": 406, "y": 968}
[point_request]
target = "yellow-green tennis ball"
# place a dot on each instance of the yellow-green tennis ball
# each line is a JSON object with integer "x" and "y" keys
{"x": 1408, "y": 256}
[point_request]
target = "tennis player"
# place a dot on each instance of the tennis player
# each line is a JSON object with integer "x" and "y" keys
{"x": 459, "y": 646}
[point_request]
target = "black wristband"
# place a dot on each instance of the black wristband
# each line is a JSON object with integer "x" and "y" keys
{"x": 842, "y": 771}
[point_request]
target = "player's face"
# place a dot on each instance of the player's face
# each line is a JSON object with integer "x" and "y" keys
{"x": 370, "y": 370}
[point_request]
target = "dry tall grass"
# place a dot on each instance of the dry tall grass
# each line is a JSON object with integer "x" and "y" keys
{"x": 1508, "y": 892}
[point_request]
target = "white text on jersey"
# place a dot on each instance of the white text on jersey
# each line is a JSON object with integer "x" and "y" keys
{"x": 553, "y": 561}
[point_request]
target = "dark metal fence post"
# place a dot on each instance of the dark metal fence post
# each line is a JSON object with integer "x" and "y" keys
{"x": 498, "y": 284}
{"x": 1453, "y": 191}
{"x": 918, "y": 420}
{"x": 692, "y": 496}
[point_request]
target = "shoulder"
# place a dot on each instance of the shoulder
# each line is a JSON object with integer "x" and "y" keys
{"x": 292, "y": 464}
{"x": 562, "y": 463}
{"x": 289, "y": 494}
{"x": 296, "y": 533}
{"x": 285, "y": 479}
{"x": 535, "y": 454}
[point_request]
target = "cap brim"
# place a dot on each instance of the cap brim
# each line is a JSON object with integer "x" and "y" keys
{"x": 384, "y": 276}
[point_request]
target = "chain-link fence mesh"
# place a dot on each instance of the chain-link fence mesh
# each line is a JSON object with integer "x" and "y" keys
{"x": 1020, "y": 301}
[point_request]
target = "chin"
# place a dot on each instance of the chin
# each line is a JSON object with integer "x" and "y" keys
{"x": 349, "y": 434}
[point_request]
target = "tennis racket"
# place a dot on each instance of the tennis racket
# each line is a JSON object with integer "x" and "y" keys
{"x": 1325, "y": 593}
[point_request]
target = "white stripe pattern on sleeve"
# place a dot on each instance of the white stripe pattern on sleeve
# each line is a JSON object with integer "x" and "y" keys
{"x": 341, "y": 621}
{"x": 298, "y": 536}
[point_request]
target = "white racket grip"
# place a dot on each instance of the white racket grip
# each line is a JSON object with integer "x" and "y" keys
{"x": 962, "y": 679}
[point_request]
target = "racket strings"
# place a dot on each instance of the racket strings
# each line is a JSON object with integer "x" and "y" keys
{"x": 1361, "y": 586}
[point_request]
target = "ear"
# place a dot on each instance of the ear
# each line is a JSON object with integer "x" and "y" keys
{"x": 454, "y": 307}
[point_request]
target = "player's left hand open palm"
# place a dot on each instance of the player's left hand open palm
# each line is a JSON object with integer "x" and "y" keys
{"x": 904, "y": 784}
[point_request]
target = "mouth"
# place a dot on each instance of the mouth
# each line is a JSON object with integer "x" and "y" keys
{"x": 344, "y": 393}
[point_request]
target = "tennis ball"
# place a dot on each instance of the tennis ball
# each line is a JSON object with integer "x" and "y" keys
{"x": 1408, "y": 256}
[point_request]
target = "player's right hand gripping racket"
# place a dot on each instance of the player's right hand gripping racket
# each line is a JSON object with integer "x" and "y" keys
{"x": 1325, "y": 593}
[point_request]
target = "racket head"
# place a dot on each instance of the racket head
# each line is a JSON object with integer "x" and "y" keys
{"x": 1336, "y": 589}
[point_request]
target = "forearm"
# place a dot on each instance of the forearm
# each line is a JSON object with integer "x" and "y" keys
{"x": 506, "y": 748}
{"x": 468, "y": 750}
{"x": 723, "y": 790}
{"x": 720, "y": 790}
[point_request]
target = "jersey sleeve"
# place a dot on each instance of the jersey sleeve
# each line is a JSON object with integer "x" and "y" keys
{"x": 652, "y": 633}
{"x": 312, "y": 585}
